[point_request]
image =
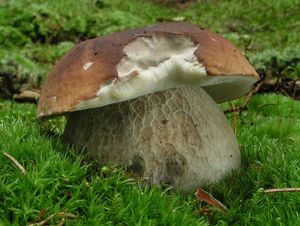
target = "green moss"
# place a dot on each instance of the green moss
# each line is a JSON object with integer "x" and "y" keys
{"x": 59, "y": 179}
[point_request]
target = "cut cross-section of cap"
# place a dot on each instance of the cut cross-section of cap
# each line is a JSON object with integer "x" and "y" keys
{"x": 134, "y": 63}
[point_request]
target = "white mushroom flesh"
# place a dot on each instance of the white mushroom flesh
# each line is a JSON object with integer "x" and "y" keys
{"x": 160, "y": 63}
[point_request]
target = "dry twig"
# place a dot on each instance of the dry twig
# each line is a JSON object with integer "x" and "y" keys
{"x": 276, "y": 190}
{"x": 41, "y": 214}
{"x": 61, "y": 215}
{"x": 244, "y": 106}
{"x": 15, "y": 162}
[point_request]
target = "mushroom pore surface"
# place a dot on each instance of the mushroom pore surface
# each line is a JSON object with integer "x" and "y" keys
{"x": 177, "y": 136}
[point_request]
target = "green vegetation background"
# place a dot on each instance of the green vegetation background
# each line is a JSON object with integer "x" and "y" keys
{"x": 34, "y": 34}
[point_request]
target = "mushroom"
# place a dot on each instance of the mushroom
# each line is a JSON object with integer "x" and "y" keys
{"x": 146, "y": 99}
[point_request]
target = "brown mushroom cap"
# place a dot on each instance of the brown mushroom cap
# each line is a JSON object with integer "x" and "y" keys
{"x": 79, "y": 75}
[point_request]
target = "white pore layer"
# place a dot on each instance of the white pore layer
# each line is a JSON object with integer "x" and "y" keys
{"x": 154, "y": 64}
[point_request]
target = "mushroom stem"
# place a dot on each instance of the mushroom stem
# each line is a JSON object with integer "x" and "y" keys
{"x": 178, "y": 136}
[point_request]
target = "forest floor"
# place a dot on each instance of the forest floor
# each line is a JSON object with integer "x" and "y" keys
{"x": 59, "y": 186}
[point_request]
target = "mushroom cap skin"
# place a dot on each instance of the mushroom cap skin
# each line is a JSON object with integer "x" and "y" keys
{"x": 133, "y": 63}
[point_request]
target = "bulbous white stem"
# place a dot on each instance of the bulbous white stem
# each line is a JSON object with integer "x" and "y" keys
{"x": 178, "y": 136}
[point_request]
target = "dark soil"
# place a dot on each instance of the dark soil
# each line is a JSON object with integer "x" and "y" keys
{"x": 286, "y": 86}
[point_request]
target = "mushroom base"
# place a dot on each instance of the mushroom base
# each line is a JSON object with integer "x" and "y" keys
{"x": 178, "y": 137}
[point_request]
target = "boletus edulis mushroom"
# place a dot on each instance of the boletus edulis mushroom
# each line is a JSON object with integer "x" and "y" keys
{"x": 147, "y": 99}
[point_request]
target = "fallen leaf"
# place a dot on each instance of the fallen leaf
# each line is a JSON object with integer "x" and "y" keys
{"x": 209, "y": 199}
{"x": 30, "y": 96}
